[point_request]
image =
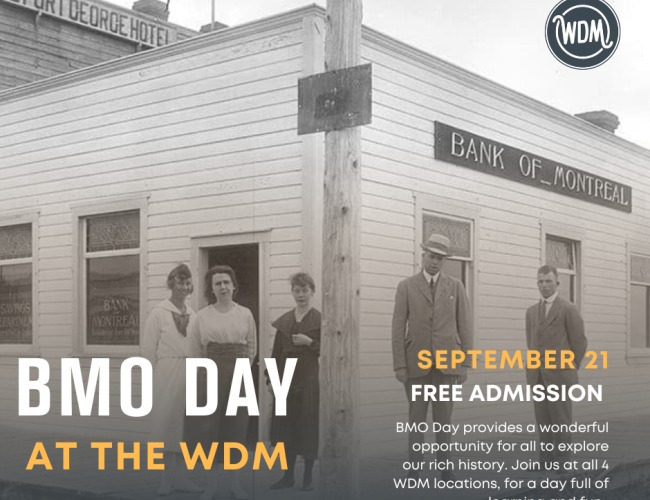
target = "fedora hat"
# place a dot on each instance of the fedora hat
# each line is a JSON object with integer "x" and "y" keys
{"x": 437, "y": 243}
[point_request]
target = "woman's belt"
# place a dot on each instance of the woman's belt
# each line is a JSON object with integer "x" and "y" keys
{"x": 235, "y": 350}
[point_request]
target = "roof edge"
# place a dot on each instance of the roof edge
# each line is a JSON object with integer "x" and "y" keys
{"x": 115, "y": 66}
{"x": 369, "y": 34}
{"x": 503, "y": 92}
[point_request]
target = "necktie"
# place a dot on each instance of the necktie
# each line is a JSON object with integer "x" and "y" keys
{"x": 181, "y": 320}
{"x": 432, "y": 288}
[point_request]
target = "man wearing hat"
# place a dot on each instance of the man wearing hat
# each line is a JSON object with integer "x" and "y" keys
{"x": 431, "y": 313}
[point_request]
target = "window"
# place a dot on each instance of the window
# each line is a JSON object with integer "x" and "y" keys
{"x": 459, "y": 232}
{"x": 639, "y": 302}
{"x": 16, "y": 284}
{"x": 563, "y": 254}
{"x": 111, "y": 278}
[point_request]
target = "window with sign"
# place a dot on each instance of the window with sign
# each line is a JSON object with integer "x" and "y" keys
{"x": 459, "y": 232}
{"x": 111, "y": 278}
{"x": 16, "y": 284}
{"x": 640, "y": 302}
{"x": 563, "y": 254}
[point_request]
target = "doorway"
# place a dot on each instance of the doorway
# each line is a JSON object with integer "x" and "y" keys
{"x": 244, "y": 259}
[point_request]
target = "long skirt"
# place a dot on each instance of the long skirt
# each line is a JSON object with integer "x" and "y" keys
{"x": 298, "y": 430}
{"x": 168, "y": 403}
{"x": 218, "y": 427}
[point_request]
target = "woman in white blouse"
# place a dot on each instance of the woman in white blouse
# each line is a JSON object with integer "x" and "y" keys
{"x": 166, "y": 345}
{"x": 225, "y": 331}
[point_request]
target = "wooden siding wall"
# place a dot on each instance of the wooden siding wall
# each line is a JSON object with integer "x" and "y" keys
{"x": 410, "y": 91}
{"x": 206, "y": 130}
{"x": 33, "y": 50}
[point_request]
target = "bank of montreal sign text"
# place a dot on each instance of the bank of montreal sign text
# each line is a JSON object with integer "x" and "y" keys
{"x": 478, "y": 153}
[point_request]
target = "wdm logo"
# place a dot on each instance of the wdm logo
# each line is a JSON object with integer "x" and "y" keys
{"x": 582, "y": 34}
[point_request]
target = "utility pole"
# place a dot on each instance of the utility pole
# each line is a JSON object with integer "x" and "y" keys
{"x": 339, "y": 382}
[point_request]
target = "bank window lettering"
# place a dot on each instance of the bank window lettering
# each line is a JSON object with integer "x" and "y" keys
{"x": 459, "y": 232}
{"x": 16, "y": 326}
{"x": 112, "y": 279}
{"x": 640, "y": 302}
{"x": 562, "y": 253}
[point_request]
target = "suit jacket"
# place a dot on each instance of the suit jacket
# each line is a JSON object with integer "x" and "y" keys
{"x": 561, "y": 329}
{"x": 422, "y": 322}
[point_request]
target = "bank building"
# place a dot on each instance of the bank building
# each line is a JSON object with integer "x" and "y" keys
{"x": 129, "y": 144}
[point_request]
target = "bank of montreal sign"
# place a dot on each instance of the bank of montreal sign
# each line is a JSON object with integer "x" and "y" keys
{"x": 478, "y": 153}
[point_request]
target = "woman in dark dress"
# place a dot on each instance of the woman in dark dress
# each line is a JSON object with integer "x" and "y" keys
{"x": 298, "y": 336}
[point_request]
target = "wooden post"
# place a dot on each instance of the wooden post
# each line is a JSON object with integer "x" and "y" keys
{"x": 339, "y": 476}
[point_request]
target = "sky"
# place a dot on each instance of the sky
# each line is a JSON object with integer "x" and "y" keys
{"x": 502, "y": 40}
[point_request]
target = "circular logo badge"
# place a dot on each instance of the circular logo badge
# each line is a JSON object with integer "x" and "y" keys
{"x": 582, "y": 34}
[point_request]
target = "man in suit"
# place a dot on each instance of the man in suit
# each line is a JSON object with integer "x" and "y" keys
{"x": 431, "y": 313}
{"x": 554, "y": 324}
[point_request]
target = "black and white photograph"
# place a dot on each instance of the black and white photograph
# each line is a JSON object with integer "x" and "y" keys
{"x": 351, "y": 249}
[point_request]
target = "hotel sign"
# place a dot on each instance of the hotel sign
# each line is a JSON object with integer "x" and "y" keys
{"x": 478, "y": 153}
{"x": 105, "y": 17}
